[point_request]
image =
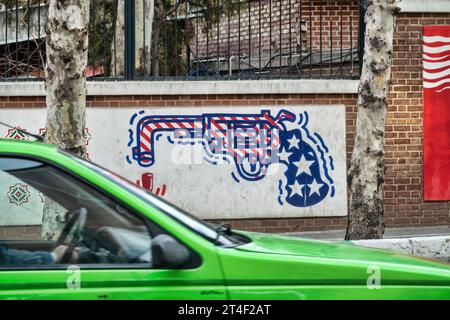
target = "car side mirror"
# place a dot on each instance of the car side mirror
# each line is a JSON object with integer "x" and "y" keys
{"x": 168, "y": 252}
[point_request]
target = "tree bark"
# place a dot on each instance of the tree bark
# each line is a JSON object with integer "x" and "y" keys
{"x": 144, "y": 11}
{"x": 53, "y": 219}
{"x": 155, "y": 38}
{"x": 367, "y": 169}
{"x": 118, "y": 43}
{"x": 65, "y": 83}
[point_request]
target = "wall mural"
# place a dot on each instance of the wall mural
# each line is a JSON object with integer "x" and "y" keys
{"x": 219, "y": 162}
{"x": 252, "y": 142}
{"x": 18, "y": 194}
{"x": 25, "y": 203}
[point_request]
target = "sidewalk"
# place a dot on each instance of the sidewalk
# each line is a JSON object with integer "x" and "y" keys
{"x": 390, "y": 233}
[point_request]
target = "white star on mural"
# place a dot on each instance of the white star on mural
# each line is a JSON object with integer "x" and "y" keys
{"x": 296, "y": 188}
{"x": 303, "y": 166}
{"x": 293, "y": 142}
{"x": 284, "y": 155}
{"x": 314, "y": 187}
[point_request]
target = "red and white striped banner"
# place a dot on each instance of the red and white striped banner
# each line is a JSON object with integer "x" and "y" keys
{"x": 436, "y": 115}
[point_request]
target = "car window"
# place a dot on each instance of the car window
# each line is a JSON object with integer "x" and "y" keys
{"x": 49, "y": 217}
{"x": 205, "y": 229}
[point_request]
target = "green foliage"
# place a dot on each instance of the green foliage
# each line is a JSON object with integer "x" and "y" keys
{"x": 13, "y": 3}
{"x": 172, "y": 50}
{"x": 23, "y": 5}
{"x": 172, "y": 58}
{"x": 171, "y": 53}
{"x": 101, "y": 32}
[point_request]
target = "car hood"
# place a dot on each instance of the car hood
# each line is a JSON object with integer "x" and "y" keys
{"x": 289, "y": 245}
{"x": 287, "y": 267}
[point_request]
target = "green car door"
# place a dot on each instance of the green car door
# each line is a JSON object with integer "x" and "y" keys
{"x": 72, "y": 230}
{"x": 83, "y": 237}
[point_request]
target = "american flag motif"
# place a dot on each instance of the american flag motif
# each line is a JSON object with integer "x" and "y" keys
{"x": 307, "y": 180}
{"x": 253, "y": 141}
{"x": 436, "y": 113}
{"x": 436, "y": 62}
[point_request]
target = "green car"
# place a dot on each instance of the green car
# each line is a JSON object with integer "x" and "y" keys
{"x": 70, "y": 229}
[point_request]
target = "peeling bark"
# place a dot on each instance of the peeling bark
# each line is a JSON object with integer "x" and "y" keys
{"x": 144, "y": 11}
{"x": 367, "y": 169}
{"x": 65, "y": 84}
{"x": 53, "y": 219}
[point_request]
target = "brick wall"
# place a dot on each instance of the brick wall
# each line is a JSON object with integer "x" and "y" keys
{"x": 20, "y": 233}
{"x": 277, "y": 25}
{"x": 403, "y": 192}
{"x": 404, "y": 205}
{"x": 266, "y": 225}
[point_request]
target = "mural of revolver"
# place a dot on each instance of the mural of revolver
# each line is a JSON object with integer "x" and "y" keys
{"x": 250, "y": 140}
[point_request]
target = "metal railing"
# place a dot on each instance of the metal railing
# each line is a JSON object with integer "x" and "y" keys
{"x": 195, "y": 39}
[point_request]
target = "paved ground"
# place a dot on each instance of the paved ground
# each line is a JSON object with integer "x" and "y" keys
{"x": 391, "y": 233}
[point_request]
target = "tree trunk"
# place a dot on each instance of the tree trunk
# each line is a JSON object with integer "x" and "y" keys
{"x": 159, "y": 20}
{"x": 65, "y": 83}
{"x": 144, "y": 11}
{"x": 366, "y": 173}
{"x": 53, "y": 219}
{"x": 118, "y": 43}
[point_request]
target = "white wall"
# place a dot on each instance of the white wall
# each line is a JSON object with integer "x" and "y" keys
{"x": 210, "y": 191}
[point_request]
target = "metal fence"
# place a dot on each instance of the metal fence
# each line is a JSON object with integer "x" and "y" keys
{"x": 195, "y": 39}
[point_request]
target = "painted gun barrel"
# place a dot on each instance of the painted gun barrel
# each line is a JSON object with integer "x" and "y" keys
{"x": 249, "y": 139}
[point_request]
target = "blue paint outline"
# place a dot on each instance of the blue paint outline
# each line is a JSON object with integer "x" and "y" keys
{"x": 322, "y": 156}
{"x": 130, "y": 138}
{"x": 280, "y": 201}
{"x": 331, "y": 162}
{"x": 133, "y": 117}
{"x": 306, "y": 129}
{"x": 321, "y": 142}
{"x": 235, "y": 178}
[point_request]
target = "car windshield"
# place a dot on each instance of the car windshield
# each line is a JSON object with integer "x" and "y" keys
{"x": 201, "y": 227}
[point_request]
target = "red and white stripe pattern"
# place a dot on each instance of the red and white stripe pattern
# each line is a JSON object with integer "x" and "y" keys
{"x": 224, "y": 128}
{"x": 436, "y": 63}
{"x": 221, "y": 129}
{"x": 166, "y": 123}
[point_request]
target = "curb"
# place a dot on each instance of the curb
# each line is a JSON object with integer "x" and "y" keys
{"x": 429, "y": 247}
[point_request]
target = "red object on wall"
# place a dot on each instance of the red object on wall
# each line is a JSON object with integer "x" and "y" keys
{"x": 148, "y": 184}
{"x": 436, "y": 114}
{"x": 147, "y": 181}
